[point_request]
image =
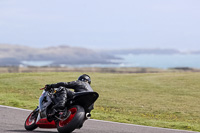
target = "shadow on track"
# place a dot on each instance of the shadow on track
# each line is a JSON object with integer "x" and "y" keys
{"x": 25, "y": 131}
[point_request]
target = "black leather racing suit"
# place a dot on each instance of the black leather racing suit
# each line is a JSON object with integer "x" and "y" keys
{"x": 62, "y": 93}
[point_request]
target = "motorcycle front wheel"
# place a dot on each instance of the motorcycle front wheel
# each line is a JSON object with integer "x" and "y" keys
{"x": 30, "y": 123}
{"x": 75, "y": 120}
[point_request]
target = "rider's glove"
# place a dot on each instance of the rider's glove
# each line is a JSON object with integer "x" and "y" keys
{"x": 48, "y": 87}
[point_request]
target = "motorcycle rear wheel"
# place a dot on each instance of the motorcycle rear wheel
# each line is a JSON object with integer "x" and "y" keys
{"x": 30, "y": 123}
{"x": 75, "y": 120}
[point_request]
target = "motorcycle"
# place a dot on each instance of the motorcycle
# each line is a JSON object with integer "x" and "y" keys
{"x": 79, "y": 106}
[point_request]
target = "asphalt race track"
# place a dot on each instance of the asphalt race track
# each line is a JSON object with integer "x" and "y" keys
{"x": 12, "y": 121}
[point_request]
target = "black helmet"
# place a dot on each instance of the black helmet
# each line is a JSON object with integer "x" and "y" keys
{"x": 85, "y": 78}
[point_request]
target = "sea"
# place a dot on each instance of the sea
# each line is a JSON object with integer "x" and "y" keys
{"x": 141, "y": 60}
{"x": 155, "y": 61}
{"x": 160, "y": 61}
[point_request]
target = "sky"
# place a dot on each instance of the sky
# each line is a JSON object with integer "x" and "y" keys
{"x": 101, "y": 24}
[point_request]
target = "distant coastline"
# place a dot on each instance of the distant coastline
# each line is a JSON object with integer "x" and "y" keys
{"x": 66, "y": 56}
{"x": 95, "y": 69}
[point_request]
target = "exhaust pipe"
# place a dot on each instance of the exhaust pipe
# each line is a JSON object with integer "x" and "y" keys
{"x": 88, "y": 115}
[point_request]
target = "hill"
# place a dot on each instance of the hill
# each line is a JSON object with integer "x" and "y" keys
{"x": 14, "y": 55}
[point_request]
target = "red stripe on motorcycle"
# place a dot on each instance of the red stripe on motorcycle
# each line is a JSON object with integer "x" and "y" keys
{"x": 44, "y": 123}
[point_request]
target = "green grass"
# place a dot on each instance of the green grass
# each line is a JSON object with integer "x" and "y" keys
{"x": 169, "y": 100}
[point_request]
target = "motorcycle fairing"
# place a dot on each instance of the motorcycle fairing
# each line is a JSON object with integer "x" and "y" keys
{"x": 44, "y": 102}
{"x": 44, "y": 123}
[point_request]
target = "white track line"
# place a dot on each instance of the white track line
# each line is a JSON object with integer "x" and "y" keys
{"x": 14, "y": 108}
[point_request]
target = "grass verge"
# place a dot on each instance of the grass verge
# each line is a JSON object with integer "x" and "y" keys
{"x": 169, "y": 100}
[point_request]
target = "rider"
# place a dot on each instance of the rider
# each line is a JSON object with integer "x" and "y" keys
{"x": 80, "y": 85}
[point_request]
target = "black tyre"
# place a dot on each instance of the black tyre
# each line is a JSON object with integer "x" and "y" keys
{"x": 74, "y": 121}
{"x": 30, "y": 123}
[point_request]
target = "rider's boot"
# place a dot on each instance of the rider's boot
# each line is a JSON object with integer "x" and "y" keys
{"x": 64, "y": 115}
